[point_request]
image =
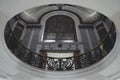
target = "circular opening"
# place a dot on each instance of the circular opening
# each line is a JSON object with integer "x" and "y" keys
{"x": 60, "y": 37}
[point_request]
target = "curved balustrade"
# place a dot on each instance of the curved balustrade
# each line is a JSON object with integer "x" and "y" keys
{"x": 58, "y": 64}
{"x": 107, "y": 38}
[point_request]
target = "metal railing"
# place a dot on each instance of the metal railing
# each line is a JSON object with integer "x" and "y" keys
{"x": 59, "y": 64}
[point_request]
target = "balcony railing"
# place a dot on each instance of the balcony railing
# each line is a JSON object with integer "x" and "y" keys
{"x": 77, "y": 61}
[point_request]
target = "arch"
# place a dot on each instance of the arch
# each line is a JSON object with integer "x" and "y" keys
{"x": 44, "y": 19}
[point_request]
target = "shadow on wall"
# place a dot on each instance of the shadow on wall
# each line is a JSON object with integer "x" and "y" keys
{"x": 116, "y": 19}
{"x": 3, "y": 20}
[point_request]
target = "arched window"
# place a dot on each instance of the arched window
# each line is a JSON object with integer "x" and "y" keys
{"x": 60, "y": 28}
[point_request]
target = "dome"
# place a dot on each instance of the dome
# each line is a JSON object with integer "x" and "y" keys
{"x": 60, "y": 37}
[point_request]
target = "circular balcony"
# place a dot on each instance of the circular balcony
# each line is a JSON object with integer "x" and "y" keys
{"x": 60, "y": 37}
